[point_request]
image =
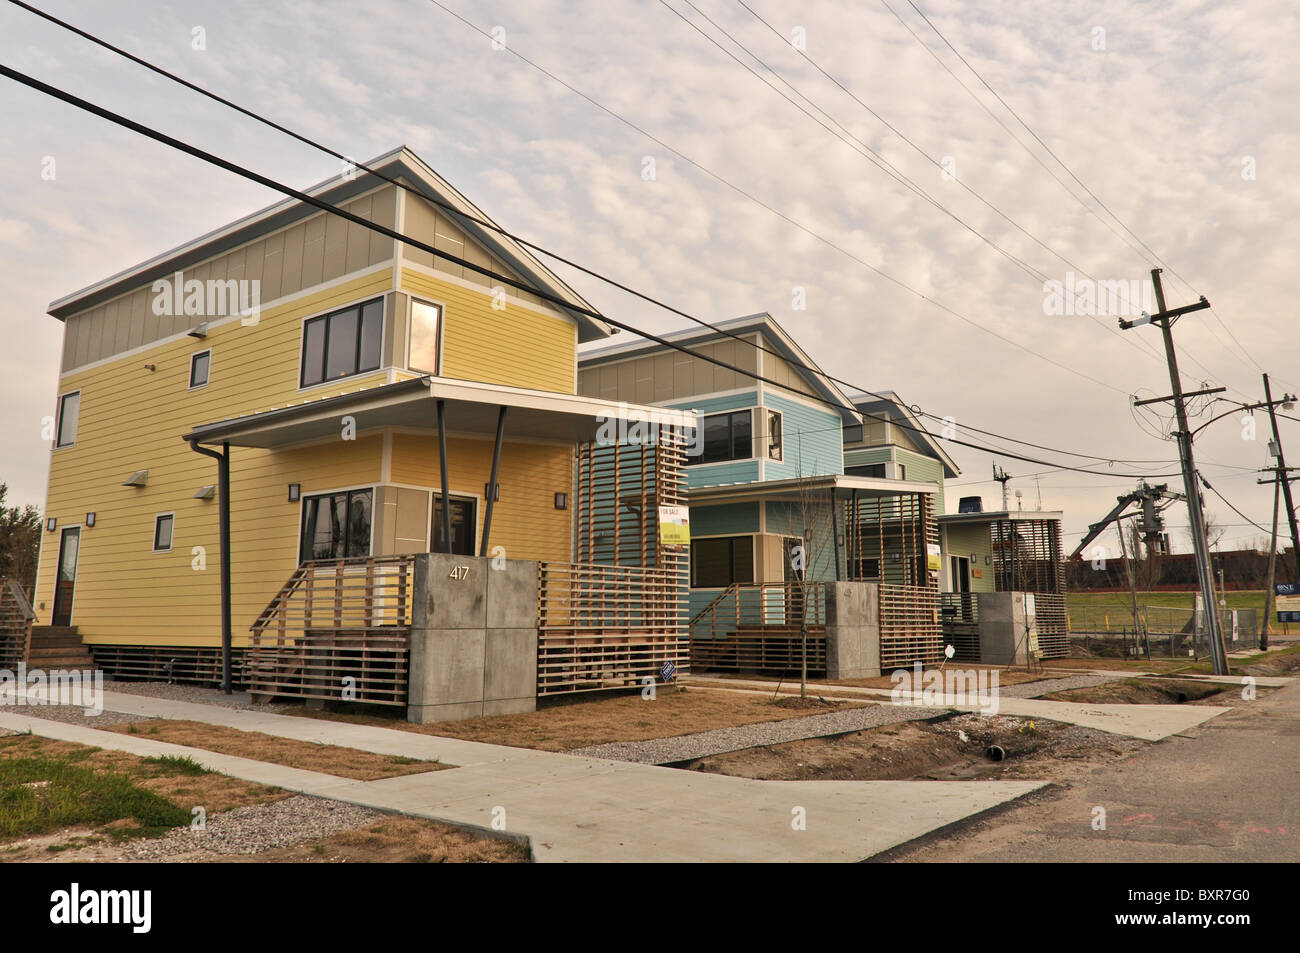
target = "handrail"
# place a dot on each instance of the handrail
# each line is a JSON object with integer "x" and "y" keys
{"x": 722, "y": 595}
{"x": 20, "y": 597}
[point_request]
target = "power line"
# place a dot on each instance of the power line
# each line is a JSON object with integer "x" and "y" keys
{"x": 571, "y": 306}
{"x": 541, "y": 250}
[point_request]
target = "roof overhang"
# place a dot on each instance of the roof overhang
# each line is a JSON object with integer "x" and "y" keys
{"x": 799, "y": 488}
{"x": 400, "y": 163}
{"x": 870, "y": 404}
{"x": 1001, "y": 516}
{"x": 471, "y": 408}
{"x": 762, "y": 323}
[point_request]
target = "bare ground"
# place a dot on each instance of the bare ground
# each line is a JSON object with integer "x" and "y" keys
{"x": 950, "y": 749}
{"x": 1147, "y": 691}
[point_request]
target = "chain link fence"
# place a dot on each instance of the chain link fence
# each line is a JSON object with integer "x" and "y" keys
{"x": 1170, "y": 632}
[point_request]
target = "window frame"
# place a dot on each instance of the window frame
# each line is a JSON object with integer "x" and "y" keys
{"x": 194, "y": 357}
{"x": 861, "y": 437}
{"x": 357, "y": 308}
{"x": 171, "y": 535}
{"x": 347, "y": 493}
{"x": 732, "y": 537}
{"x": 410, "y": 329}
{"x": 779, "y": 444}
{"x": 59, "y": 418}
{"x": 731, "y": 437}
{"x": 435, "y": 509}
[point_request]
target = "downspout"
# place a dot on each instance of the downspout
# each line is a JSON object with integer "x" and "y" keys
{"x": 223, "y": 519}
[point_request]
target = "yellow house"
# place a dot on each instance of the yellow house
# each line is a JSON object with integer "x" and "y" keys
{"x": 344, "y": 377}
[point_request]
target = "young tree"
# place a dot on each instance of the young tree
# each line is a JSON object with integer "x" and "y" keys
{"x": 20, "y": 542}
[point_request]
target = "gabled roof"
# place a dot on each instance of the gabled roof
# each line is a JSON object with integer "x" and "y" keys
{"x": 888, "y": 401}
{"x": 777, "y": 339}
{"x": 399, "y": 163}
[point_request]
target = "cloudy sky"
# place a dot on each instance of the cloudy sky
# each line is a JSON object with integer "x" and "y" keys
{"x": 1179, "y": 116}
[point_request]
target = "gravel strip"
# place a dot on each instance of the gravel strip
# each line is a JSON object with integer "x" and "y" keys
{"x": 721, "y": 740}
{"x": 74, "y": 715}
{"x": 261, "y": 827}
{"x": 1049, "y": 685}
{"x": 191, "y": 693}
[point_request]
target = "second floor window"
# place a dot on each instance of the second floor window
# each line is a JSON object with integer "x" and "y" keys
{"x": 342, "y": 343}
{"x": 727, "y": 436}
{"x": 426, "y": 319}
{"x": 69, "y": 410}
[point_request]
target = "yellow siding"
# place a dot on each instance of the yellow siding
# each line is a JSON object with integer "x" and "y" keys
{"x": 516, "y": 346}
{"x": 524, "y": 520}
{"x": 132, "y": 418}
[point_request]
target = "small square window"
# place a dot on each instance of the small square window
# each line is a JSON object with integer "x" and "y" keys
{"x": 162, "y": 532}
{"x": 200, "y": 364}
{"x": 69, "y": 411}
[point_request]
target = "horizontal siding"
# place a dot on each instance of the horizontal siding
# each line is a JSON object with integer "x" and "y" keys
{"x": 515, "y": 346}
{"x": 132, "y": 418}
{"x": 524, "y": 520}
{"x": 792, "y": 519}
{"x": 973, "y": 539}
{"x": 925, "y": 469}
{"x": 812, "y": 439}
{"x": 858, "y": 458}
{"x": 724, "y": 520}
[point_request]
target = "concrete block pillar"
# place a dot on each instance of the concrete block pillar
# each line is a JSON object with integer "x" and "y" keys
{"x": 1003, "y": 626}
{"x": 852, "y": 629}
{"x": 473, "y": 638}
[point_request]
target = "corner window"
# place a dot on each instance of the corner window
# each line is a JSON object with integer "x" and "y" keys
{"x": 902, "y": 471}
{"x": 342, "y": 343}
{"x": 774, "y": 451}
{"x": 426, "y": 328}
{"x": 717, "y": 562}
{"x": 463, "y": 525}
{"x": 162, "y": 532}
{"x": 727, "y": 436}
{"x": 200, "y": 364}
{"x": 69, "y": 410}
{"x": 336, "y": 525}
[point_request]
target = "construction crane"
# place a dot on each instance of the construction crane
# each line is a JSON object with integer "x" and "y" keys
{"x": 1152, "y": 500}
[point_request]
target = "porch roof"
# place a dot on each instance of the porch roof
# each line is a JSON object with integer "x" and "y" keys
{"x": 793, "y": 488}
{"x": 471, "y": 407}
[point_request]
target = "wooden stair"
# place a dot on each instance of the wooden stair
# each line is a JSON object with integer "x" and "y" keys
{"x": 58, "y": 646}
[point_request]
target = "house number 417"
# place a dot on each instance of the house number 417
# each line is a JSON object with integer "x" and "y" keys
{"x": 458, "y": 572}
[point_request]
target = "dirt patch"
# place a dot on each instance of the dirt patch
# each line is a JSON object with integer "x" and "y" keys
{"x": 1286, "y": 662}
{"x": 327, "y": 759}
{"x": 1146, "y": 691}
{"x": 562, "y": 725}
{"x": 953, "y": 749}
{"x": 811, "y": 702}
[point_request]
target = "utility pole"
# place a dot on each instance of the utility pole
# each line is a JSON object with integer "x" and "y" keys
{"x": 1002, "y": 477}
{"x": 1130, "y": 571}
{"x": 1196, "y": 516}
{"x": 1272, "y": 570}
{"x": 1286, "y": 485}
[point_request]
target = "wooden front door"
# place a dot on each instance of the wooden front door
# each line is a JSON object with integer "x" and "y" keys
{"x": 69, "y": 546}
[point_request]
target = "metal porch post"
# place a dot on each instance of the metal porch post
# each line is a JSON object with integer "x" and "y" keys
{"x": 442, "y": 465}
{"x": 492, "y": 481}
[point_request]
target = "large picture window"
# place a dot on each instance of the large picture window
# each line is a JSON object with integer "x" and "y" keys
{"x": 342, "y": 343}
{"x": 727, "y": 436}
{"x": 426, "y": 322}
{"x": 717, "y": 562}
{"x": 336, "y": 525}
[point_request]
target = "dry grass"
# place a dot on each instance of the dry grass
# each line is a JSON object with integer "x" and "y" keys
{"x": 401, "y": 840}
{"x": 306, "y": 755}
{"x": 582, "y": 721}
{"x": 1006, "y": 676}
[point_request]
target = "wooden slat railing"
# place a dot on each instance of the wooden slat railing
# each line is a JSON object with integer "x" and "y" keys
{"x": 337, "y": 630}
{"x": 608, "y": 627}
{"x": 16, "y": 617}
{"x": 759, "y": 628}
{"x": 909, "y": 626}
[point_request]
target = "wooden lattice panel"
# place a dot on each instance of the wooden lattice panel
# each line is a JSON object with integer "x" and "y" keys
{"x": 909, "y": 626}
{"x": 15, "y": 625}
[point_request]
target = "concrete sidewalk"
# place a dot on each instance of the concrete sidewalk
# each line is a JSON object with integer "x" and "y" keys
{"x": 577, "y": 809}
{"x": 1148, "y": 722}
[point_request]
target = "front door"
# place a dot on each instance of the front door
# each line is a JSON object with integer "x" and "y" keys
{"x": 69, "y": 546}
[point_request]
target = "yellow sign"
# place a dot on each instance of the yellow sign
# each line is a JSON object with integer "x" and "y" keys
{"x": 675, "y": 525}
{"x": 1288, "y": 603}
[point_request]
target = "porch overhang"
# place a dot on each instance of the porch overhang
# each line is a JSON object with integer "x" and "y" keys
{"x": 797, "y": 488}
{"x": 470, "y": 407}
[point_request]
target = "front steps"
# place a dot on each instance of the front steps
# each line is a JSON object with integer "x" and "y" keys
{"x": 58, "y": 646}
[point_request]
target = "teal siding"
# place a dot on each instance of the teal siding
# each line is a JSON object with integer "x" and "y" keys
{"x": 791, "y": 519}
{"x": 715, "y": 474}
{"x": 727, "y": 519}
{"x": 812, "y": 440}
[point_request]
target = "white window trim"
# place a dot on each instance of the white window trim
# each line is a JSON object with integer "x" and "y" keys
{"x": 58, "y": 419}
{"x": 172, "y": 542}
{"x": 190, "y": 385}
{"x": 411, "y": 300}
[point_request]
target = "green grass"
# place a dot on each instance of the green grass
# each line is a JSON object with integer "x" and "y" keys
{"x": 175, "y": 765}
{"x": 1122, "y": 601}
{"x": 75, "y": 796}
